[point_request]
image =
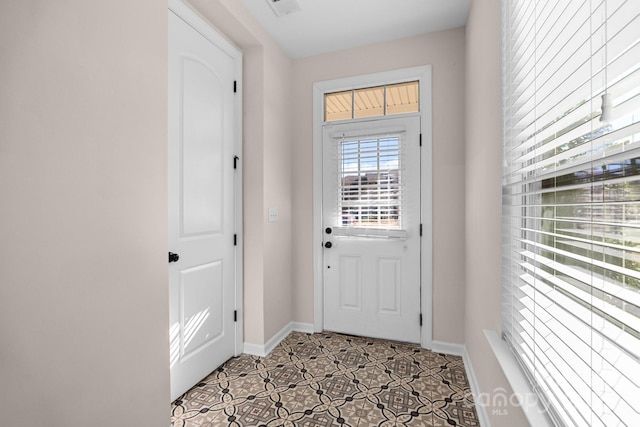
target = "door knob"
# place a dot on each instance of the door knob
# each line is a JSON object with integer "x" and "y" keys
{"x": 328, "y": 230}
{"x": 173, "y": 257}
{"x": 328, "y": 245}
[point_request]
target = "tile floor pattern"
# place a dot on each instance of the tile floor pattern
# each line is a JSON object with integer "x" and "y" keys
{"x": 328, "y": 379}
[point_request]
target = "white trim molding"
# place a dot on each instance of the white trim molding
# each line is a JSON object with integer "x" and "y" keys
{"x": 264, "y": 350}
{"x": 533, "y": 409}
{"x": 481, "y": 409}
{"x": 423, "y": 75}
{"x": 448, "y": 348}
{"x": 204, "y": 27}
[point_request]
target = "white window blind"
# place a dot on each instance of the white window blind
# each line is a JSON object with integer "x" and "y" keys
{"x": 370, "y": 193}
{"x": 571, "y": 203}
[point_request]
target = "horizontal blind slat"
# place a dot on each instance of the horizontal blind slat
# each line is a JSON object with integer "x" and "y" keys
{"x": 571, "y": 203}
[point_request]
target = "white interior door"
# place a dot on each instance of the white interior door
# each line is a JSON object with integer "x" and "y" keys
{"x": 201, "y": 205}
{"x": 371, "y": 228}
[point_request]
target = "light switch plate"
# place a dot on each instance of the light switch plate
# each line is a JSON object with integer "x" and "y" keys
{"x": 273, "y": 214}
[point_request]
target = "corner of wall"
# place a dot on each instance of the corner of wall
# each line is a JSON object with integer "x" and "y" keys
{"x": 483, "y": 247}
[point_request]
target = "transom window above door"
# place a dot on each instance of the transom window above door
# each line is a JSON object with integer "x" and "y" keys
{"x": 374, "y": 101}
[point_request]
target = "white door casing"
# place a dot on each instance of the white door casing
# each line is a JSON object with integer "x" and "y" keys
{"x": 204, "y": 210}
{"x": 371, "y": 225}
{"x": 422, "y": 74}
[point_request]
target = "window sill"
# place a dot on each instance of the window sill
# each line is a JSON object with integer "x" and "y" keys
{"x": 523, "y": 395}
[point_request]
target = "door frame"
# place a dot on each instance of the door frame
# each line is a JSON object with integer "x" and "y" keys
{"x": 423, "y": 75}
{"x": 209, "y": 32}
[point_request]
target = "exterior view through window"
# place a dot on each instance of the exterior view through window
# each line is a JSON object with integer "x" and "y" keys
{"x": 370, "y": 182}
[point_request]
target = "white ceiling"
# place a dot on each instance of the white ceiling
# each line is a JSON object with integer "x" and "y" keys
{"x": 330, "y": 25}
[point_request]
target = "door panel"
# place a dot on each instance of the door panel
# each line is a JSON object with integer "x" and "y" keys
{"x": 201, "y": 296}
{"x": 201, "y": 206}
{"x": 389, "y": 286}
{"x": 351, "y": 283}
{"x": 201, "y": 149}
{"x": 371, "y": 218}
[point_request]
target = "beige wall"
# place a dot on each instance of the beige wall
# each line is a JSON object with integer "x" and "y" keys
{"x": 277, "y": 182}
{"x": 267, "y": 168}
{"x": 444, "y": 51}
{"x": 83, "y": 215}
{"x": 483, "y": 200}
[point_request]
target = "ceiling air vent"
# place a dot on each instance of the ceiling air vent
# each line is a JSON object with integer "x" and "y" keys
{"x": 284, "y": 7}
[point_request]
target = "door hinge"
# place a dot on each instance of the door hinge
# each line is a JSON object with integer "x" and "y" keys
{"x": 235, "y": 162}
{"x": 235, "y": 86}
{"x": 420, "y": 319}
{"x": 235, "y": 315}
{"x": 420, "y": 230}
{"x": 420, "y": 140}
{"x": 235, "y": 240}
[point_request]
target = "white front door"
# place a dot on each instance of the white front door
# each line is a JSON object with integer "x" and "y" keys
{"x": 371, "y": 228}
{"x": 201, "y": 206}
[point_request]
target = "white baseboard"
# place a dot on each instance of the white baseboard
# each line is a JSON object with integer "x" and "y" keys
{"x": 306, "y": 328}
{"x": 254, "y": 349}
{"x": 447, "y": 348}
{"x": 264, "y": 350}
{"x": 481, "y": 410}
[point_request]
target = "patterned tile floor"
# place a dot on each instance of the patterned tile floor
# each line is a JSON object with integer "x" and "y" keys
{"x": 328, "y": 379}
